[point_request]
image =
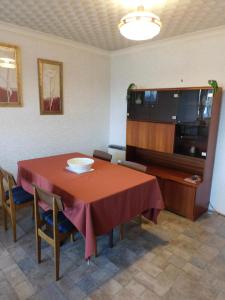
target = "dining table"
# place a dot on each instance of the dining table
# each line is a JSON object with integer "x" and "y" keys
{"x": 96, "y": 201}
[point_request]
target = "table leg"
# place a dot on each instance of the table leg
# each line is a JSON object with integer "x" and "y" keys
{"x": 96, "y": 252}
{"x": 140, "y": 220}
{"x": 111, "y": 239}
{"x": 121, "y": 232}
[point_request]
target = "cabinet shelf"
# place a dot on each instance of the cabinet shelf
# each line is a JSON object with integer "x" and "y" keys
{"x": 171, "y": 174}
{"x": 192, "y": 137}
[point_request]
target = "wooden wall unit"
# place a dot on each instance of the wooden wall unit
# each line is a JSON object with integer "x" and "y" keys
{"x": 153, "y": 144}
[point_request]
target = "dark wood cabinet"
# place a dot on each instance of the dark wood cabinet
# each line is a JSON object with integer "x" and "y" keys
{"x": 176, "y": 139}
{"x": 179, "y": 198}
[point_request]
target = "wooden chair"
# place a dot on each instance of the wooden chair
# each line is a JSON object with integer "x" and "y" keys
{"x": 137, "y": 167}
{"x": 13, "y": 198}
{"x": 133, "y": 165}
{"x": 102, "y": 155}
{"x": 61, "y": 227}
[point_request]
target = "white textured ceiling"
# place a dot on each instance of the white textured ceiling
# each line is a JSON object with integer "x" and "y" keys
{"x": 94, "y": 22}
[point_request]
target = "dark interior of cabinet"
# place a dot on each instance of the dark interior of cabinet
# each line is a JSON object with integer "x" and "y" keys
{"x": 191, "y": 140}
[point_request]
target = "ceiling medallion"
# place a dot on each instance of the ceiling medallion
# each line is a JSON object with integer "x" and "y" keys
{"x": 140, "y": 25}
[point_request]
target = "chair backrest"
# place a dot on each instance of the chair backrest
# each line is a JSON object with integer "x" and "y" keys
{"x": 54, "y": 203}
{"x": 7, "y": 177}
{"x": 102, "y": 155}
{"x": 7, "y": 182}
{"x": 133, "y": 165}
{"x": 49, "y": 198}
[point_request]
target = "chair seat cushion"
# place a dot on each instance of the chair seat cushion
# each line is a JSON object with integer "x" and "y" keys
{"x": 64, "y": 225}
{"x": 20, "y": 196}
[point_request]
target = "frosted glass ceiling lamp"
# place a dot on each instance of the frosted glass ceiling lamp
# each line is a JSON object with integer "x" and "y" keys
{"x": 7, "y": 63}
{"x": 140, "y": 25}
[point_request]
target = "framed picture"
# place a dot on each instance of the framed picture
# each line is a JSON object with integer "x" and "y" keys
{"x": 50, "y": 76}
{"x": 10, "y": 76}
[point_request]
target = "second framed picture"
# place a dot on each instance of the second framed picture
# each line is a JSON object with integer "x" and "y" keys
{"x": 50, "y": 76}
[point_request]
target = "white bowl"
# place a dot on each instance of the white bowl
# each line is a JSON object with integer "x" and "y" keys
{"x": 80, "y": 164}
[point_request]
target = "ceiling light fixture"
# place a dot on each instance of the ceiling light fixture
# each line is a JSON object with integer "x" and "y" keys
{"x": 7, "y": 63}
{"x": 140, "y": 25}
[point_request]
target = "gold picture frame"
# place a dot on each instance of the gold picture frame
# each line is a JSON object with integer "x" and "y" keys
{"x": 50, "y": 78}
{"x": 10, "y": 76}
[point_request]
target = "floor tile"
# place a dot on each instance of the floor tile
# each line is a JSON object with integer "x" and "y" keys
{"x": 24, "y": 290}
{"x": 135, "y": 288}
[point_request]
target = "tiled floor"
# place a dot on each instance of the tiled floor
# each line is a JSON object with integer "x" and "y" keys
{"x": 174, "y": 260}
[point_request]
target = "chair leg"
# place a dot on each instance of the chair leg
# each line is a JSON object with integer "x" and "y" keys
{"x": 4, "y": 216}
{"x": 111, "y": 239}
{"x": 56, "y": 255}
{"x": 13, "y": 219}
{"x": 96, "y": 252}
{"x": 49, "y": 230}
{"x": 121, "y": 231}
{"x": 37, "y": 240}
{"x": 140, "y": 220}
{"x": 33, "y": 212}
{"x": 38, "y": 249}
{"x": 72, "y": 237}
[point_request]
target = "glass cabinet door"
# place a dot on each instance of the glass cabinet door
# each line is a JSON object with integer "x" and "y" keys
{"x": 188, "y": 106}
{"x": 165, "y": 110}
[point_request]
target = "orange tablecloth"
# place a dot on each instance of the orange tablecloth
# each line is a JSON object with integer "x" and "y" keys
{"x": 98, "y": 201}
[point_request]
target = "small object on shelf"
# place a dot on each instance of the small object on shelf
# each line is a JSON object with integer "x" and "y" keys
{"x": 192, "y": 150}
{"x": 214, "y": 85}
{"x": 176, "y": 95}
{"x": 131, "y": 86}
{"x": 138, "y": 100}
{"x": 193, "y": 179}
{"x": 203, "y": 154}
